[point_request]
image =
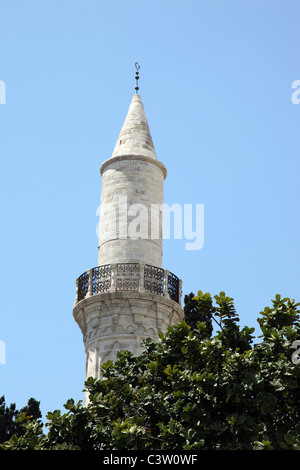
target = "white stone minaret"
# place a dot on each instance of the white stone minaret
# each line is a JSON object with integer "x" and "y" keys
{"x": 129, "y": 296}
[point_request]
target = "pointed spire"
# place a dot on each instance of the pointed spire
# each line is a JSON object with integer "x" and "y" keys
{"x": 135, "y": 137}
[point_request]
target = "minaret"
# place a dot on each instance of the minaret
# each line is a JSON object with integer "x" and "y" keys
{"x": 129, "y": 296}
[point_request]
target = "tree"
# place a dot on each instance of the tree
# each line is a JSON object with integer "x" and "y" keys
{"x": 9, "y": 423}
{"x": 191, "y": 390}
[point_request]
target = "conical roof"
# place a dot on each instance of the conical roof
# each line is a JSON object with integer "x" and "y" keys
{"x": 135, "y": 137}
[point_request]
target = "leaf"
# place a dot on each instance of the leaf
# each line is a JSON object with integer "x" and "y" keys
{"x": 152, "y": 366}
{"x": 289, "y": 439}
{"x": 70, "y": 404}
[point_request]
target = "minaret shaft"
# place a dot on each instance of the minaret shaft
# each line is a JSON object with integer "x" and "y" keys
{"x": 130, "y": 228}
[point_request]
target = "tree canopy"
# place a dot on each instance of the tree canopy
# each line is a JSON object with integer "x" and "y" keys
{"x": 11, "y": 418}
{"x": 205, "y": 385}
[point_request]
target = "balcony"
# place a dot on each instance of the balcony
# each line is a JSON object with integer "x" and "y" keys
{"x": 128, "y": 277}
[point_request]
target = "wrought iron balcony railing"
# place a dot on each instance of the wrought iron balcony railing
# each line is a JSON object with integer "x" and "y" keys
{"x": 128, "y": 277}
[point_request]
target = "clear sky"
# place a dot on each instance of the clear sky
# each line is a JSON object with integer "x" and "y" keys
{"x": 216, "y": 83}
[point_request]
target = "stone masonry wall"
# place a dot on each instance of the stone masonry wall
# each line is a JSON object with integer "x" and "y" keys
{"x": 129, "y": 181}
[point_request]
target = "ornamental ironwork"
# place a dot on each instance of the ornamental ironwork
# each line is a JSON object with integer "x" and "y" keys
{"x": 101, "y": 279}
{"x": 173, "y": 287}
{"x": 128, "y": 276}
{"x": 83, "y": 285}
{"x": 154, "y": 279}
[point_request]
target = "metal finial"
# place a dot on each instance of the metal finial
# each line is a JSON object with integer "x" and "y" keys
{"x": 137, "y": 76}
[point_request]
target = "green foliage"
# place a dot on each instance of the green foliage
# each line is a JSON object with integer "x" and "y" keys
{"x": 190, "y": 390}
{"x": 199, "y": 309}
{"x": 12, "y": 420}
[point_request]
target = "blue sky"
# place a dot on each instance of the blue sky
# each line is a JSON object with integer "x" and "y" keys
{"x": 216, "y": 83}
